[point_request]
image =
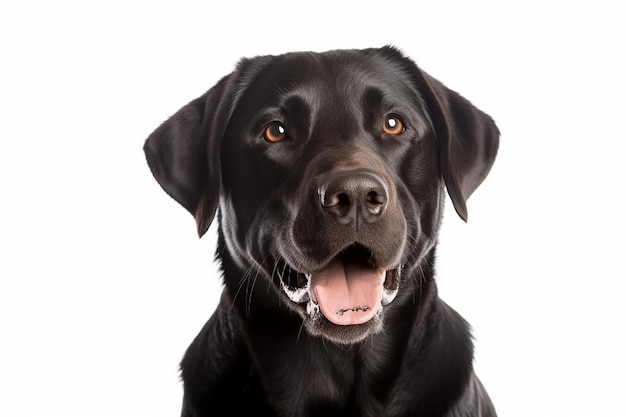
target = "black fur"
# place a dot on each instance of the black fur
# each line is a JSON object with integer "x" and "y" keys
{"x": 336, "y": 187}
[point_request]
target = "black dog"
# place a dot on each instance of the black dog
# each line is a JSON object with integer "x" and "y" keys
{"x": 328, "y": 174}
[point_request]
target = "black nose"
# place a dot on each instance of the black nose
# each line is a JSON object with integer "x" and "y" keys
{"x": 354, "y": 196}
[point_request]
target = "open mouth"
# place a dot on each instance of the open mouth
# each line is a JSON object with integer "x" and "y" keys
{"x": 351, "y": 289}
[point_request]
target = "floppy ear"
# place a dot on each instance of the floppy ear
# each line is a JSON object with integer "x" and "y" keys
{"x": 184, "y": 153}
{"x": 468, "y": 140}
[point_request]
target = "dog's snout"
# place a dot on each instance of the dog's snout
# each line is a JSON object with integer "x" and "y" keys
{"x": 354, "y": 196}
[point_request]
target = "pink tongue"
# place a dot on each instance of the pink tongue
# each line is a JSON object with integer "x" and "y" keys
{"x": 348, "y": 293}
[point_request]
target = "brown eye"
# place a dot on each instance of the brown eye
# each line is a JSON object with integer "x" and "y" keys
{"x": 393, "y": 126}
{"x": 274, "y": 132}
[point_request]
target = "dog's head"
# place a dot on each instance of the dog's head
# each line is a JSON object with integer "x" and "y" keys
{"x": 329, "y": 171}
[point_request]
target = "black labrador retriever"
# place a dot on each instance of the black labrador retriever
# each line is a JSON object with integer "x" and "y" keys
{"x": 327, "y": 172}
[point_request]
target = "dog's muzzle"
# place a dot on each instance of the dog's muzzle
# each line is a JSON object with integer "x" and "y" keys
{"x": 359, "y": 275}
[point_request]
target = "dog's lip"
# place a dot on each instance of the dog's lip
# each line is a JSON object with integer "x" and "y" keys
{"x": 300, "y": 291}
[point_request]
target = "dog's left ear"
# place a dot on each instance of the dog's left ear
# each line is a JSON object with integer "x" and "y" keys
{"x": 184, "y": 152}
{"x": 467, "y": 138}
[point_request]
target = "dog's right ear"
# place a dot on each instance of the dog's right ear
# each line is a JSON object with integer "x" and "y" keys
{"x": 184, "y": 152}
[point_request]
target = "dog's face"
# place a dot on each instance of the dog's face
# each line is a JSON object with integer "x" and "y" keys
{"x": 322, "y": 161}
{"x": 329, "y": 171}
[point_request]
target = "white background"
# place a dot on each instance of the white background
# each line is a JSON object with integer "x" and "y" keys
{"x": 104, "y": 282}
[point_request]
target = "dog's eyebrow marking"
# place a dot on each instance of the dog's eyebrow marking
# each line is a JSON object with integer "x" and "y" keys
{"x": 342, "y": 311}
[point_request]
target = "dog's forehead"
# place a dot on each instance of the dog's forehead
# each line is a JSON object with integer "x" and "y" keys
{"x": 343, "y": 74}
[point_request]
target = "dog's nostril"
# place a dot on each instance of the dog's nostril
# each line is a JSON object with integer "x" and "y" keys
{"x": 375, "y": 201}
{"x": 339, "y": 204}
{"x": 333, "y": 200}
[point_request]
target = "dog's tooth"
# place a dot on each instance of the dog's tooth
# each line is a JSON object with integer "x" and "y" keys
{"x": 312, "y": 308}
{"x": 297, "y": 295}
{"x": 308, "y": 288}
{"x": 388, "y": 296}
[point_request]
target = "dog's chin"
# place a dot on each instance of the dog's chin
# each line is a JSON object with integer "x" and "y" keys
{"x": 344, "y": 300}
{"x": 318, "y": 325}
